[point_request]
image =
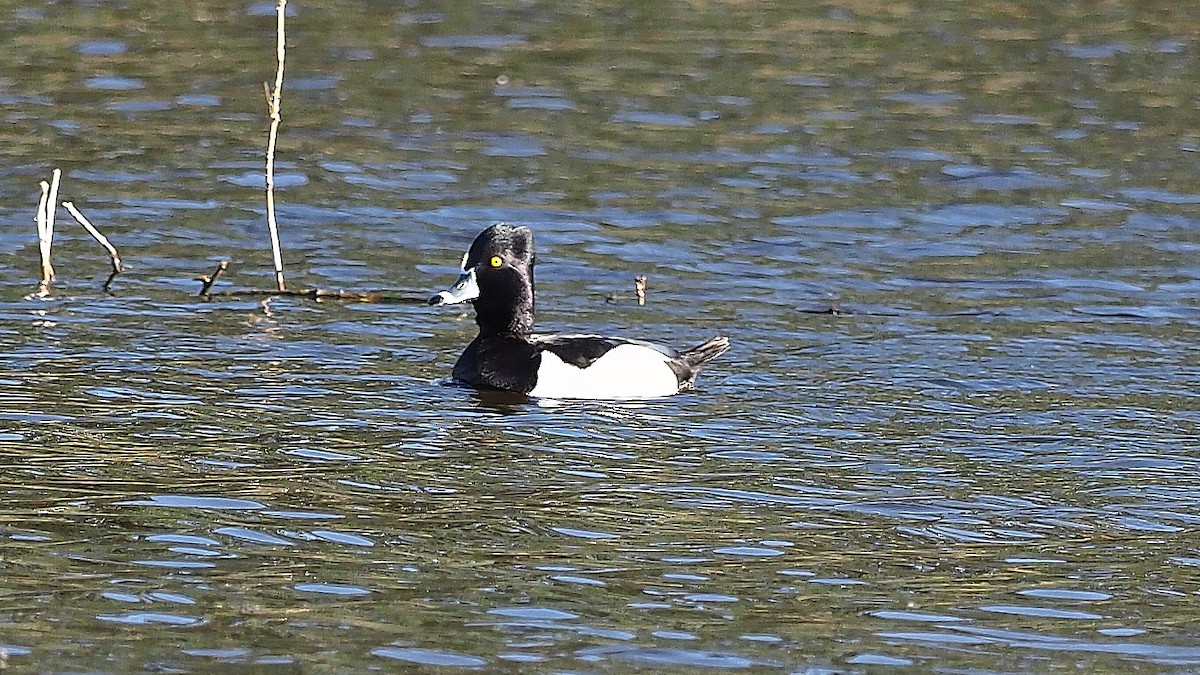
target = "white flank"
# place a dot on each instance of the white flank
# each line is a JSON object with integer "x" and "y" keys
{"x": 626, "y": 371}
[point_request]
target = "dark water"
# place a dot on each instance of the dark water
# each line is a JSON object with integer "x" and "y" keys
{"x": 956, "y": 246}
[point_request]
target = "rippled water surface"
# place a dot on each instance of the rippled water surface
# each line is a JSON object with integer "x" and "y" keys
{"x": 956, "y": 245}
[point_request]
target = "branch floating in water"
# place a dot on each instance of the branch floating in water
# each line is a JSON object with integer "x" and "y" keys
{"x": 313, "y": 293}
{"x": 377, "y": 297}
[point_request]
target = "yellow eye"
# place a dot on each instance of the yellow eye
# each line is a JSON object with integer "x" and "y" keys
{"x": 495, "y": 261}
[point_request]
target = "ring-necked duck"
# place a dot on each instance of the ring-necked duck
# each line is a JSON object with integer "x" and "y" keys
{"x": 497, "y": 276}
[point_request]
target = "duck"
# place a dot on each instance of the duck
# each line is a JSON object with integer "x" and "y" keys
{"x": 497, "y": 278}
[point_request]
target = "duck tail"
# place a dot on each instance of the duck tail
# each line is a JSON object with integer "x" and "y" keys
{"x": 687, "y": 365}
{"x": 702, "y": 354}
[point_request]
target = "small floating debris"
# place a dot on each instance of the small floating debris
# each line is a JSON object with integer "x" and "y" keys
{"x": 639, "y": 292}
{"x": 834, "y": 310}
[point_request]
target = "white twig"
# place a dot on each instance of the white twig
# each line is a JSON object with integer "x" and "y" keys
{"x": 52, "y": 200}
{"x": 45, "y": 239}
{"x": 87, "y": 225}
{"x": 273, "y": 101}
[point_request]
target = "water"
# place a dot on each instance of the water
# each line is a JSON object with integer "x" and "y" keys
{"x": 955, "y": 247}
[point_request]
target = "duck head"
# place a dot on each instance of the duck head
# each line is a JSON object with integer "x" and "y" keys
{"x": 497, "y": 277}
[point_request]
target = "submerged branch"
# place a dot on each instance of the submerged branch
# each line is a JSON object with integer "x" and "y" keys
{"x": 380, "y": 297}
{"x": 383, "y": 297}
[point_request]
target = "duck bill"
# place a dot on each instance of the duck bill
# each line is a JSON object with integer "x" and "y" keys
{"x": 466, "y": 288}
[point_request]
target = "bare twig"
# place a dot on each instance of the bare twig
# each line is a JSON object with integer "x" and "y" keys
{"x": 45, "y": 229}
{"x": 91, "y": 229}
{"x": 210, "y": 279}
{"x": 639, "y": 287}
{"x": 273, "y": 102}
{"x": 52, "y": 201}
{"x": 44, "y": 242}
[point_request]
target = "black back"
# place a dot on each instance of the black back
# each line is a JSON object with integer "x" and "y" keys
{"x": 582, "y": 351}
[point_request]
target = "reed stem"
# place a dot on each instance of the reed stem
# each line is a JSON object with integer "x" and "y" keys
{"x": 45, "y": 229}
{"x": 273, "y": 103}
